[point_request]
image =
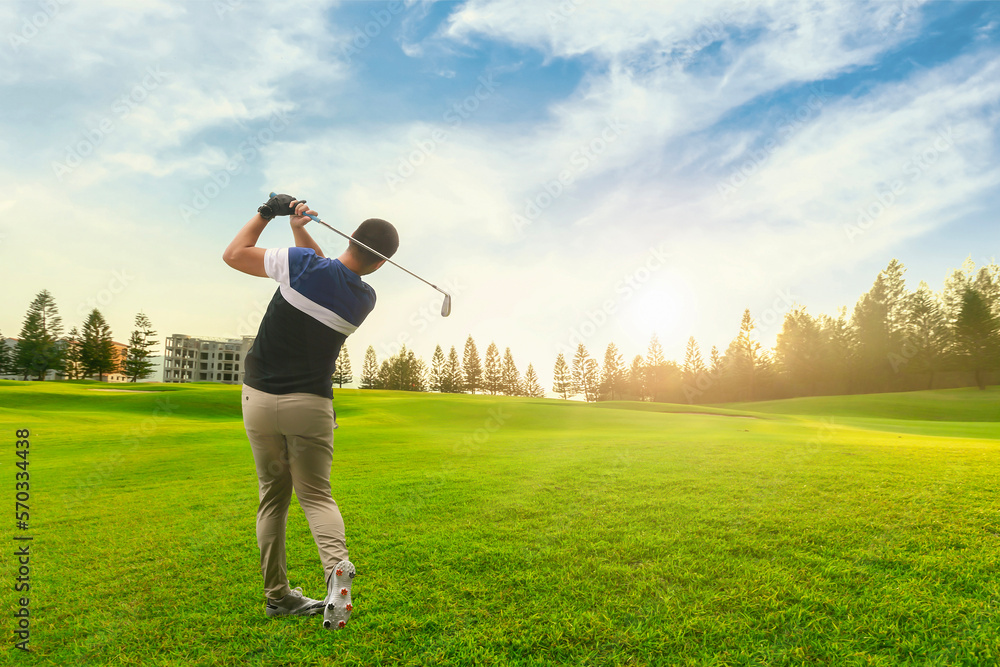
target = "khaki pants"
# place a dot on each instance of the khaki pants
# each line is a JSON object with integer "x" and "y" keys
{"x": 291, "y": 436}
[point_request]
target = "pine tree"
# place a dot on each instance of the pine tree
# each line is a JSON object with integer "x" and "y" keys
{"x": 137, "y": 365}
{"x": 953, "y": 293}
{"x": 798, "y": 350}
{"x": 510, "y": 378}
{"x": 613, "y": 372}
{"x": 39, "y": 348}
{"x": 387, "y": 377}
{"x": 562, "y": 380}
{"x": 439, "y": 379}
{"x": 591, "y": 379}
{"x": 637, "y": 378}
{"x": 472, "y": 368}
{"x": 417, "y": 378}
{"x": 72, "y": 367}
{"x": 878, "y": 325}
{"x": 656, "y": 369}
{"x": 5, "y": 356}
{"x": 453, "y": 373}
{"x": 370, "y": 370}
{"x": 976, "y": 335}
{"x": 531, "y": 386}
{"x": 927, "y": 338}
{"x": 97, "y": 350}
{"x": 403, "y": 371}
{"x": 694, "y": 365}
{"x": 412, "y": 371}
{"x": 715, "y": 361}
{"x": 491, "y": 369}
{"x": 837, "y": 353}
{"x": 694, "y": 374}
{"x": 987, "y": 283}
{"x": 745, "y": 357}
{"x": 342, "y": 372}
{"x": 895, "y": 301}
{"x": 584, "y": 376}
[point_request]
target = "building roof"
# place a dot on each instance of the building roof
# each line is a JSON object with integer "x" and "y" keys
{"x": 211, "y": 339}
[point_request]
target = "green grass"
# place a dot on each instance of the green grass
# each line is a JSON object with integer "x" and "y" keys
{"x": 858, "y": 530}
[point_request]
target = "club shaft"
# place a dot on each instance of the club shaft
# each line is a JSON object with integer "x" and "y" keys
{"x": 376, "y": 252}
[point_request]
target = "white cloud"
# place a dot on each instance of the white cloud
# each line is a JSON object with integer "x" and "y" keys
{"x": 747, "y": 251}
{"x": 161, "y": 74}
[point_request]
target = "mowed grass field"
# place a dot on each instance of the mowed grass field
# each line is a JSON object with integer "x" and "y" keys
{"x": 859, "y": 530}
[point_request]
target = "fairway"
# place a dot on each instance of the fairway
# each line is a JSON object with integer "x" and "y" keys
{"x": 856, "y": 530}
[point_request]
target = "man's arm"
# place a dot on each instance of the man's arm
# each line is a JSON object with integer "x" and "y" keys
{"x": 242, "y": 253}
{"x": 302, "y": 237}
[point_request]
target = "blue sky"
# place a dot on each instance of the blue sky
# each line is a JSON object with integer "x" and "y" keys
{"x": 573, "y": 170}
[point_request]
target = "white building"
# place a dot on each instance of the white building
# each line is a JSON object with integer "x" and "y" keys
{"x": 190, "y": 359}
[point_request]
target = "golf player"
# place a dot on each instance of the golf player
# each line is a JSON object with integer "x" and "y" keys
{"x": 287, "y": 392}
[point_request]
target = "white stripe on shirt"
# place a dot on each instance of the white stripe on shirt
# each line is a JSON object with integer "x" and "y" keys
{"x": 276, "y": 264}
{"x": 316, "y": 311}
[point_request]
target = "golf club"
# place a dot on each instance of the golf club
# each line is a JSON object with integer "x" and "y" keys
{"x": 445, "y": 307}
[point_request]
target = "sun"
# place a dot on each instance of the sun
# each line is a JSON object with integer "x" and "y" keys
{"x": 664, "y": 309}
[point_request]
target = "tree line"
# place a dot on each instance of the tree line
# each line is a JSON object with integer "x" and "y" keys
{"x": 447, "y": 374}
{"x": 893, "y": 339}
{"x": 83, "y": 353}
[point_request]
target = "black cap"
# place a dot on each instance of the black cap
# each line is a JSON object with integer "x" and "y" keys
{"x": 378, "y": 235}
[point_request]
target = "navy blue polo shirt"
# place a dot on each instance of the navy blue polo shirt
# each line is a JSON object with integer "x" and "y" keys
{"x": 318, "y": 304}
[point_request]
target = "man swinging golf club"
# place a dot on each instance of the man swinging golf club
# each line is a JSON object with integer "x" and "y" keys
{"x": 287, "y": 391}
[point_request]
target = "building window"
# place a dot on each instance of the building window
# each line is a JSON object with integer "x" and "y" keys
{"x": 228, "y": 377}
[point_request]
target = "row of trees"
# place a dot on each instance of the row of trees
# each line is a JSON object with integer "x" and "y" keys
{"x": 405, "y": 371}
{"x": 88, "y": 352}
{"x": 894, "y": 339}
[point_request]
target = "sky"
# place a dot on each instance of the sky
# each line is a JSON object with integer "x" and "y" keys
{"x": 571, "y": 171}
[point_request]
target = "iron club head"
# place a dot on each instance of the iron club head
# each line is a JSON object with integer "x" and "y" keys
{"x": 446, "y": 306}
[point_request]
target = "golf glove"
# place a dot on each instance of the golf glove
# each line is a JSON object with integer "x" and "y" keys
{"x": 277, "y": 205}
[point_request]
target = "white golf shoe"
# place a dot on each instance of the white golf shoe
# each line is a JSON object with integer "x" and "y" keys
{"x": 338, "y": 605}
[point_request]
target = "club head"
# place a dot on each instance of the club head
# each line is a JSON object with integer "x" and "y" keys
{"x": 446, "y": 306}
